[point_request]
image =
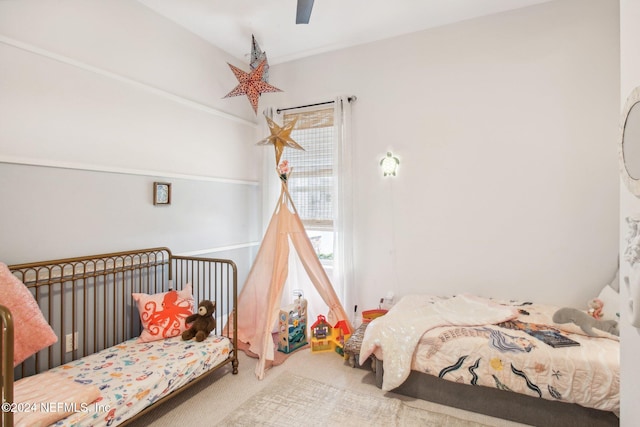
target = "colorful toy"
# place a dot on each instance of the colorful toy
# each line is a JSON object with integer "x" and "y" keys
{"x": 342, "y": 333}
{"x": 292, "y": 326}
{"x": 325, "y": 337}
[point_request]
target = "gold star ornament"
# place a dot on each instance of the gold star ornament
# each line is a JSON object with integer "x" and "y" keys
{"x": 251, "y": 84}
{"x": 280, "y": 137}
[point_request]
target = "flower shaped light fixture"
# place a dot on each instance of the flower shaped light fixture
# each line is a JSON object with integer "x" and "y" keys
{"x": 389, "y": 164}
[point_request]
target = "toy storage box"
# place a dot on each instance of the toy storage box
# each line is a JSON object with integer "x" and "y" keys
{"x": 292, "y": 326}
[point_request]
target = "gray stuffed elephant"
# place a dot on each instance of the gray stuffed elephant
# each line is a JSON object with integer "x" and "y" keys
{"x": 586, "y": 322}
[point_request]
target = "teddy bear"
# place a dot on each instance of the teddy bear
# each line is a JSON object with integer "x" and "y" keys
{"x": 202, "y": 322}
{"x": 595, "y": 308}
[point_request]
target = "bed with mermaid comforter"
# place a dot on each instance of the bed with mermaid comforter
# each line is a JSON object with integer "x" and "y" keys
{"x": 510, "y": 346}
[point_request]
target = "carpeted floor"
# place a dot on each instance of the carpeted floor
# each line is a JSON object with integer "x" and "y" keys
{"x": 214, "y": 400}
{"x": 294, "y": 400}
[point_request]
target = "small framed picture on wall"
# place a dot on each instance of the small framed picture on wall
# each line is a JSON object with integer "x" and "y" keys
{"x": 161, "y": 193}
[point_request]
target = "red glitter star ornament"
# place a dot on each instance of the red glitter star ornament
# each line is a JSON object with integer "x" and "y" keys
{"x": 251, "y": 84}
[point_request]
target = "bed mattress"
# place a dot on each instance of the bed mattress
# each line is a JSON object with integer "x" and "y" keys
{"x": 132, "y": 375}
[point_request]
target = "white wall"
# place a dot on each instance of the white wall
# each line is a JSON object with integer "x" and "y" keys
{"x": 629, "y": 205}
{"x": 506, "y": 128}
{"x": 99, "y": 99}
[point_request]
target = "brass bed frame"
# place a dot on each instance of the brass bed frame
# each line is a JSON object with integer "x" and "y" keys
{"x": 87, "y": 301}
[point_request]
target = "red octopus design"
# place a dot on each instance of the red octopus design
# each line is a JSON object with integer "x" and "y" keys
{"x": 169, "y": 317}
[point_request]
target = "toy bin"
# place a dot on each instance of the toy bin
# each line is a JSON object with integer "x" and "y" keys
{"x": 369, "y": 315}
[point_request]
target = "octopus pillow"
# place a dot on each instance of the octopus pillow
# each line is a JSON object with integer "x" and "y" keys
{"x": 164, "y": 315}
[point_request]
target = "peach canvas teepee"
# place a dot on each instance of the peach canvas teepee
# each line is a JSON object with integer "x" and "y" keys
{"x": 259, "y": 300}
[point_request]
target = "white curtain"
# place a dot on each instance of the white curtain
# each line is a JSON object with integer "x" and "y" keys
{"x": 343, "y": 222}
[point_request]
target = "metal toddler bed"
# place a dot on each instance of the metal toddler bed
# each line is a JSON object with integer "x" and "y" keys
{"x": 88, "y": 303}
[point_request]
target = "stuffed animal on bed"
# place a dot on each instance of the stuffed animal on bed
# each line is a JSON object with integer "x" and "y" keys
{"x": 595, "y": 308}
{"x": 586, "y": 322}
{"x": 202, "y": 322}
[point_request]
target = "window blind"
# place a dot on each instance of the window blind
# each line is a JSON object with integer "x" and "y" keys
{"x": 311, "y": 181}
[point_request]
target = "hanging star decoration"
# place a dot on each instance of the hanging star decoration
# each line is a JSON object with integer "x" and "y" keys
{"x": 251, "y": 84}
{"x": 280, "y": 137}
{"x": 257, "y": 56}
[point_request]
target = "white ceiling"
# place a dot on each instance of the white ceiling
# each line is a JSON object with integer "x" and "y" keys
{"x": 334, "y": 24}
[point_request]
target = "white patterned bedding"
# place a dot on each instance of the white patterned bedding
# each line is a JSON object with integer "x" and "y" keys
{"x": 506, "y": 356}
{"x": 132, "y": 375}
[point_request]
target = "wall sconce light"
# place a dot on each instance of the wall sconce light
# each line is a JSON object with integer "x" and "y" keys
{"x": 389, "y": 164}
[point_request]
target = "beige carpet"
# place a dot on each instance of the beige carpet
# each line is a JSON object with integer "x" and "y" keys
{"x": 221, "y": 395}
{"x": 294, "y": 400}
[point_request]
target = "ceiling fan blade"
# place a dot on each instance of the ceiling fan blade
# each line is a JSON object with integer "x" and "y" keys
{"x": 303, "y": 13}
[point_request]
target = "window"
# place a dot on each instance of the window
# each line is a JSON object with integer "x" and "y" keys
{"x": 320, "y": 186}
{"x": 311, "y": 183}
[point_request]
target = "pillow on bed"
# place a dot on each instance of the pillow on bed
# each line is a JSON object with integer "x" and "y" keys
{"x": 163, "y": 315}
{"x": 32, "y": 333}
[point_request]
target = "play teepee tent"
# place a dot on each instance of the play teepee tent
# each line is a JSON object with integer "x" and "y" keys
{"x": 261, "y": 295}
{"x": 260, "y": 298}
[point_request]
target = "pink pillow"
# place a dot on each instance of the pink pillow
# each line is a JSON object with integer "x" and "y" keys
{"x": 32, "y": 333}
{"x": 163, "y": 315}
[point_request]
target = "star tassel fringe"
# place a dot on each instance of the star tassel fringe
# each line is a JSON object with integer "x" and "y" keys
{"x": 280, "y": 137}
{"x": 251, "y": 84}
